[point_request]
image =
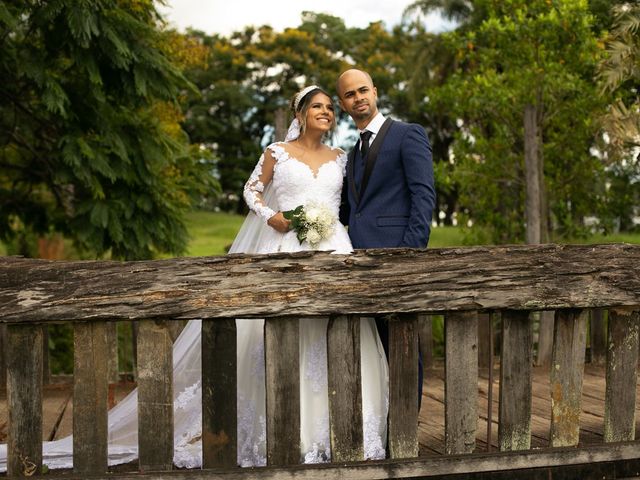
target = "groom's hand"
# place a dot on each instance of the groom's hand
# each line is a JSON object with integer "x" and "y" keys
{"x": 279, "y": 223}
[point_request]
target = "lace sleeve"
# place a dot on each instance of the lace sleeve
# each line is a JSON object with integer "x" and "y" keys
{"x": 261, "y": 176}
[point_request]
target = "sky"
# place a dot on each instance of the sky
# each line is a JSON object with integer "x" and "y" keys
{"x": 224, "y": 17}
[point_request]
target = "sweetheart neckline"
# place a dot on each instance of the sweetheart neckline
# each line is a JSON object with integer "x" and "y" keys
{"x": 313, "y": 173}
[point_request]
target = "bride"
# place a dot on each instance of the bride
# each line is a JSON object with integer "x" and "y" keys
{"x": 300, "y": 171}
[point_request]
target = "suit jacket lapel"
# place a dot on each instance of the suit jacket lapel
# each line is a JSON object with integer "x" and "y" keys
{"x": 373, "y": 155}
{"x": 350, "y": 175}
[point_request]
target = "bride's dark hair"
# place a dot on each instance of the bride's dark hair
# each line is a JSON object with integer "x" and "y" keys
{"x": 303, "y": 105}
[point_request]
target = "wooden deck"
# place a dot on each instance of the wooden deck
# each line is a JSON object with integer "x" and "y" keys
{"x": 58, "y": 408}
{"x": 431, "y": 423}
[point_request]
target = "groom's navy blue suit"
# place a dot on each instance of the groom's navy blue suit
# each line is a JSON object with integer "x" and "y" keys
{"x": 389, "y": 196}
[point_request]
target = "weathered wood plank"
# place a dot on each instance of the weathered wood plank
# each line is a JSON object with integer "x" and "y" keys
{"x": 403, "y": 386}
{"x": 345, "y": 389}
{"x": 461, "y": 385}
{"x": 219, "y": 393}
{"x": 622, "y": 375}
{"x": 3, "y": 355}
{"x": 543, "y": 277}
{"x": 515, "y": 381}
{"x": 90, "y": 386}
{"x": 432, "y": 466}
{"x": 155, "y": 396}
{"x": 545, "y": 338}
{"x": 112, "y": 345}
{"x": 567, "y": 369}
{"x": 598, "y": 337}
{"x": 425, "y": 331}
{"x": 24, "y": 396}
{"x": 46, "y": 369}
{"x": 485, "y": 355}
{"x": 282, "y": 368}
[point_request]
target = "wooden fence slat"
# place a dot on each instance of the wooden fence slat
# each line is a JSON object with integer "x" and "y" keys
{"x": 90, "y": 387}
{"x": 345, "y": 389}
{"x": 155, "y": 396}
{"x": 621, "y": 376}
{"x": 598, "y": 337}
{"x": 3, "y": 356}
{"x": 46, "y": 368}
{"x": 24, "y": 397}
{"x": 484, "y": 342}
{"x": 567, "y": 369}
{"x": 461, "y": 382}
{"x": 425, "y": 331}
{"x": 403, "y": 386}
{"x": 112, "y": 345}
{"x": 514, "y": 431}
{"x": 545, "y": 338}
{"x": 135, "y": 328}
{"x": 219, "y": 393}
{"x": 282, "y": 368}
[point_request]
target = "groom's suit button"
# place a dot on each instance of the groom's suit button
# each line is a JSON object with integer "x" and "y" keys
{"x": 358, "y": 215}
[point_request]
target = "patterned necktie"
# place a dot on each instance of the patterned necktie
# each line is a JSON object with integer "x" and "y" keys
{"x": 364, "y": 142}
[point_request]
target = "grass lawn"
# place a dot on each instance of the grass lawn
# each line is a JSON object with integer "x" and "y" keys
{"x": 212, "y": 232}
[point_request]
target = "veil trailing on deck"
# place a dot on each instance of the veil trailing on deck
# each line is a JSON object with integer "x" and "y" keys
{"x": 123, "y": 418}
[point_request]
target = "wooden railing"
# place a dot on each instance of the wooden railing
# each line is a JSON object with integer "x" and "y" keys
{"x": 400, "y": 284}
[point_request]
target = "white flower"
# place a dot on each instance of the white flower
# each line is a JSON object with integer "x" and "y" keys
{"x": 312, "y": 214}
{"x": 313, "y": 237}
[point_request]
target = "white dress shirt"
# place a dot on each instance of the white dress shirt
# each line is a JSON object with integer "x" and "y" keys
{"x": 374, "y": 126}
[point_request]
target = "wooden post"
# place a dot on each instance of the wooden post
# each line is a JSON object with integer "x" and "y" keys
{"x": 622, "y": 375}
{"x": 90, "y": 386}
{"x": 403, "y": 386}
{"x": 345, "y": 389}
{"x": 135, "y": 328}
{"x": 175, "y": 328}
{"x": 461, "y": 382}
{"x": 567, "y": 369}
{"x": 112, "y": 355}
{"x": 425, "y": 329}
{"x": 282, "y": 361}
{"x": 545, "y": 338}
{"x": 514, "y": 431}
{"x": 485, "y": 355}
{"x": 46, "y": 369}
{"x": 155, "y": 396}
{"x": 219, "y": 393}
{"x": 24, "y": 397}
{"x": 598, "y": 337}
{"x": 3, "y": 356}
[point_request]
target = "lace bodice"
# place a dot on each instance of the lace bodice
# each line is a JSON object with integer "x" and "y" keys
{"x": 294, "y": 182}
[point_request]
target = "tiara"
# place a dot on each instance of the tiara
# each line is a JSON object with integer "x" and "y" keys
{"x": 301, "y": 95}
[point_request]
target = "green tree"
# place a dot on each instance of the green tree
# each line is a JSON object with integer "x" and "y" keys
{"x": 619, "y": 75}
{"x": 90, "y": 144}
{"x": 538, "y": 56}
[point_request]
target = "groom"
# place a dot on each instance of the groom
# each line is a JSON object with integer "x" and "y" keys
{"x": 389, "y": 195}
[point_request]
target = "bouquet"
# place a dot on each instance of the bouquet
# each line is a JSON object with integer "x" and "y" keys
{"x": 313, "y": 222}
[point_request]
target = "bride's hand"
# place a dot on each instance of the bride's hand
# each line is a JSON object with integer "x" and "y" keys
{"x": 279, "y": 223}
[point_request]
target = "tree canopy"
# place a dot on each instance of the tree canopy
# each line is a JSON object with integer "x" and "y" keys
{"x": 91, "y": 143}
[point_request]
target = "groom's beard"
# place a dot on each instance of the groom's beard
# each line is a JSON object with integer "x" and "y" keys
{"x": 362, "y": 114}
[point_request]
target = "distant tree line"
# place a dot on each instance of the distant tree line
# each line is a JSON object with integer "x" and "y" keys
{"x": 113, "y": 126}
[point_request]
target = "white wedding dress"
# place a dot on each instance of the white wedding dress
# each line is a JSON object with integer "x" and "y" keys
{"x": 293, "y": 184}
